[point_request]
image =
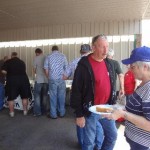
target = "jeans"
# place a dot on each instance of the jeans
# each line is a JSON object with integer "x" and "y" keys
{"x": 135, "y": 146}
{"x": 40, "y": 98}
{"x": 79, "y": 135}
{"x": 57, "y": 91}
{"x": 128, "y": 97}
{"x": 98, "y": 139}
{"x": 2, "y": 95}
{"x": 108, "y": 127}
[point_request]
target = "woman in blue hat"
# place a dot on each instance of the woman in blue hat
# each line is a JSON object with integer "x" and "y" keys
{"x": 137, "y": 113}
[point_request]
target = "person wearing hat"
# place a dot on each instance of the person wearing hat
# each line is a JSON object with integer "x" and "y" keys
{"x": 69, "y": 72}
{"x": 94, "y": 84}
{"x": 137, "y": 113}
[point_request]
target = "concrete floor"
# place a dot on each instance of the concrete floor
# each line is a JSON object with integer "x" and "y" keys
{"x": 121, "y": 143}
{"x": 42, "y": 133}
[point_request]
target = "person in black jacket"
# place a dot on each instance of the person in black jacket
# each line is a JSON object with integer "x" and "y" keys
{"x": 94, "y": 84}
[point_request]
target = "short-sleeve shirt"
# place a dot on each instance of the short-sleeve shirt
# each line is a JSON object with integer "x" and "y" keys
{"x": 102, "y": 82}
{"x": 38, "y": 65}
{"x": 117, "y": 68}
{"x": 129, "y": 82}
{"x": 139, "y": 104}
{"x": 17, "y": 79}
{"x": 14, "y": 67}
{"x": 56, "y": 64}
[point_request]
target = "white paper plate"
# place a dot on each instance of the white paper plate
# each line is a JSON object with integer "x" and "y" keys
{"x": 93, "y": 109}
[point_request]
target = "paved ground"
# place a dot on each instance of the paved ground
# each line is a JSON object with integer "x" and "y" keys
{"x": 32, "y": 133}
{"x": 121, "y": 143}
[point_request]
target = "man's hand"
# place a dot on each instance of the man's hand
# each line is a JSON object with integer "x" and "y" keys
{"x": 65, "y": 77}
{"x": 121, "y": 93}
{"x": 116, "y": 114}
{"x": 80, "y": 122}
{"x": 4, "y": 72}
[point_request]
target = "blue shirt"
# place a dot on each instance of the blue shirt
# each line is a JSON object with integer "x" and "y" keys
{"x": 69, "y": 72}
{"x": 139, "y": 104}
{"x": 55, "y": 63}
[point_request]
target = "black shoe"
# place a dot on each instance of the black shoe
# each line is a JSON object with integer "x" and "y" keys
{"x": 62, "y": 116}
{"x": 53, "y": 117}
{"x": 48, "y": 116}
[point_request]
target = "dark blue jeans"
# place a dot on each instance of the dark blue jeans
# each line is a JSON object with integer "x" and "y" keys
{"x": 136, "y": 146}
{"x": 2, "y": 95}
{"x": 40, "y": 98}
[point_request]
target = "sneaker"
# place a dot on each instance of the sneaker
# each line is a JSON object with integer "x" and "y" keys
{"x": 25, "y": 112}
{"x": 36, "y": 115}
{"x": 12, "y": 114}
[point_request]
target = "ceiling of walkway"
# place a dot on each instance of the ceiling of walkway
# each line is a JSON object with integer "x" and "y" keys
{"x": 16, "y": 14}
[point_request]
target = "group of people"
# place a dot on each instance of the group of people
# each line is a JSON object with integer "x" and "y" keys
{"x": 48, "y": 72}
{"x": 94, "y": 84}
{"x": 94, "y": 77}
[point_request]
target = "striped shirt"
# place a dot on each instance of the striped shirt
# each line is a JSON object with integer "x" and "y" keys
{"x": 56, "y": 64}
{"x": 139, "y": 104}
{"x": 69, "y": 72}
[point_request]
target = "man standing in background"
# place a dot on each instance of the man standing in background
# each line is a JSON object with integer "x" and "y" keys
{"x": 41, "y": 84}
{"x": 55, "y": 65}
{"x": 118, "y": 72}
{"x": 69, "y": 73}
{"x": 17, "y": 82}
{"x": 2, "y": 82}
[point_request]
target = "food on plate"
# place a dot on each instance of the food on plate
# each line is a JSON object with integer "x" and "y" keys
{"x": 103, "y": 109}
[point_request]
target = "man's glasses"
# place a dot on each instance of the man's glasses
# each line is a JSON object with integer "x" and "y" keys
{"x": 132, "y": 66}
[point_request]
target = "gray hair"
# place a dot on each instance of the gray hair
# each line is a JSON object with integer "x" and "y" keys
{"x": 101, "y": 36}
{"x": 142, "y": 63}
{"x": 111, "y": 52}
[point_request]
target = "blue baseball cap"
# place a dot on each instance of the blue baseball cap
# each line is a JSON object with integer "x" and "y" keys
{"x": 138, "y": 54}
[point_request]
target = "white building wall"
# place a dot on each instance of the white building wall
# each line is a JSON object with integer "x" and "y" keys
{"x": 122, "y": 46}
{"x": 118, "y": 33}
{"x": 73, "y": 30}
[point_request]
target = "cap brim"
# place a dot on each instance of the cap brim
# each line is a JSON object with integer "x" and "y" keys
{"x": 127, "y": 61}
{"x": 84, "y": 51}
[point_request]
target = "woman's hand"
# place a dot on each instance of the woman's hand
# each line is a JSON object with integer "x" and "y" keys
{"x": 116, "y": 114}
{"x": 80, "y": 122}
